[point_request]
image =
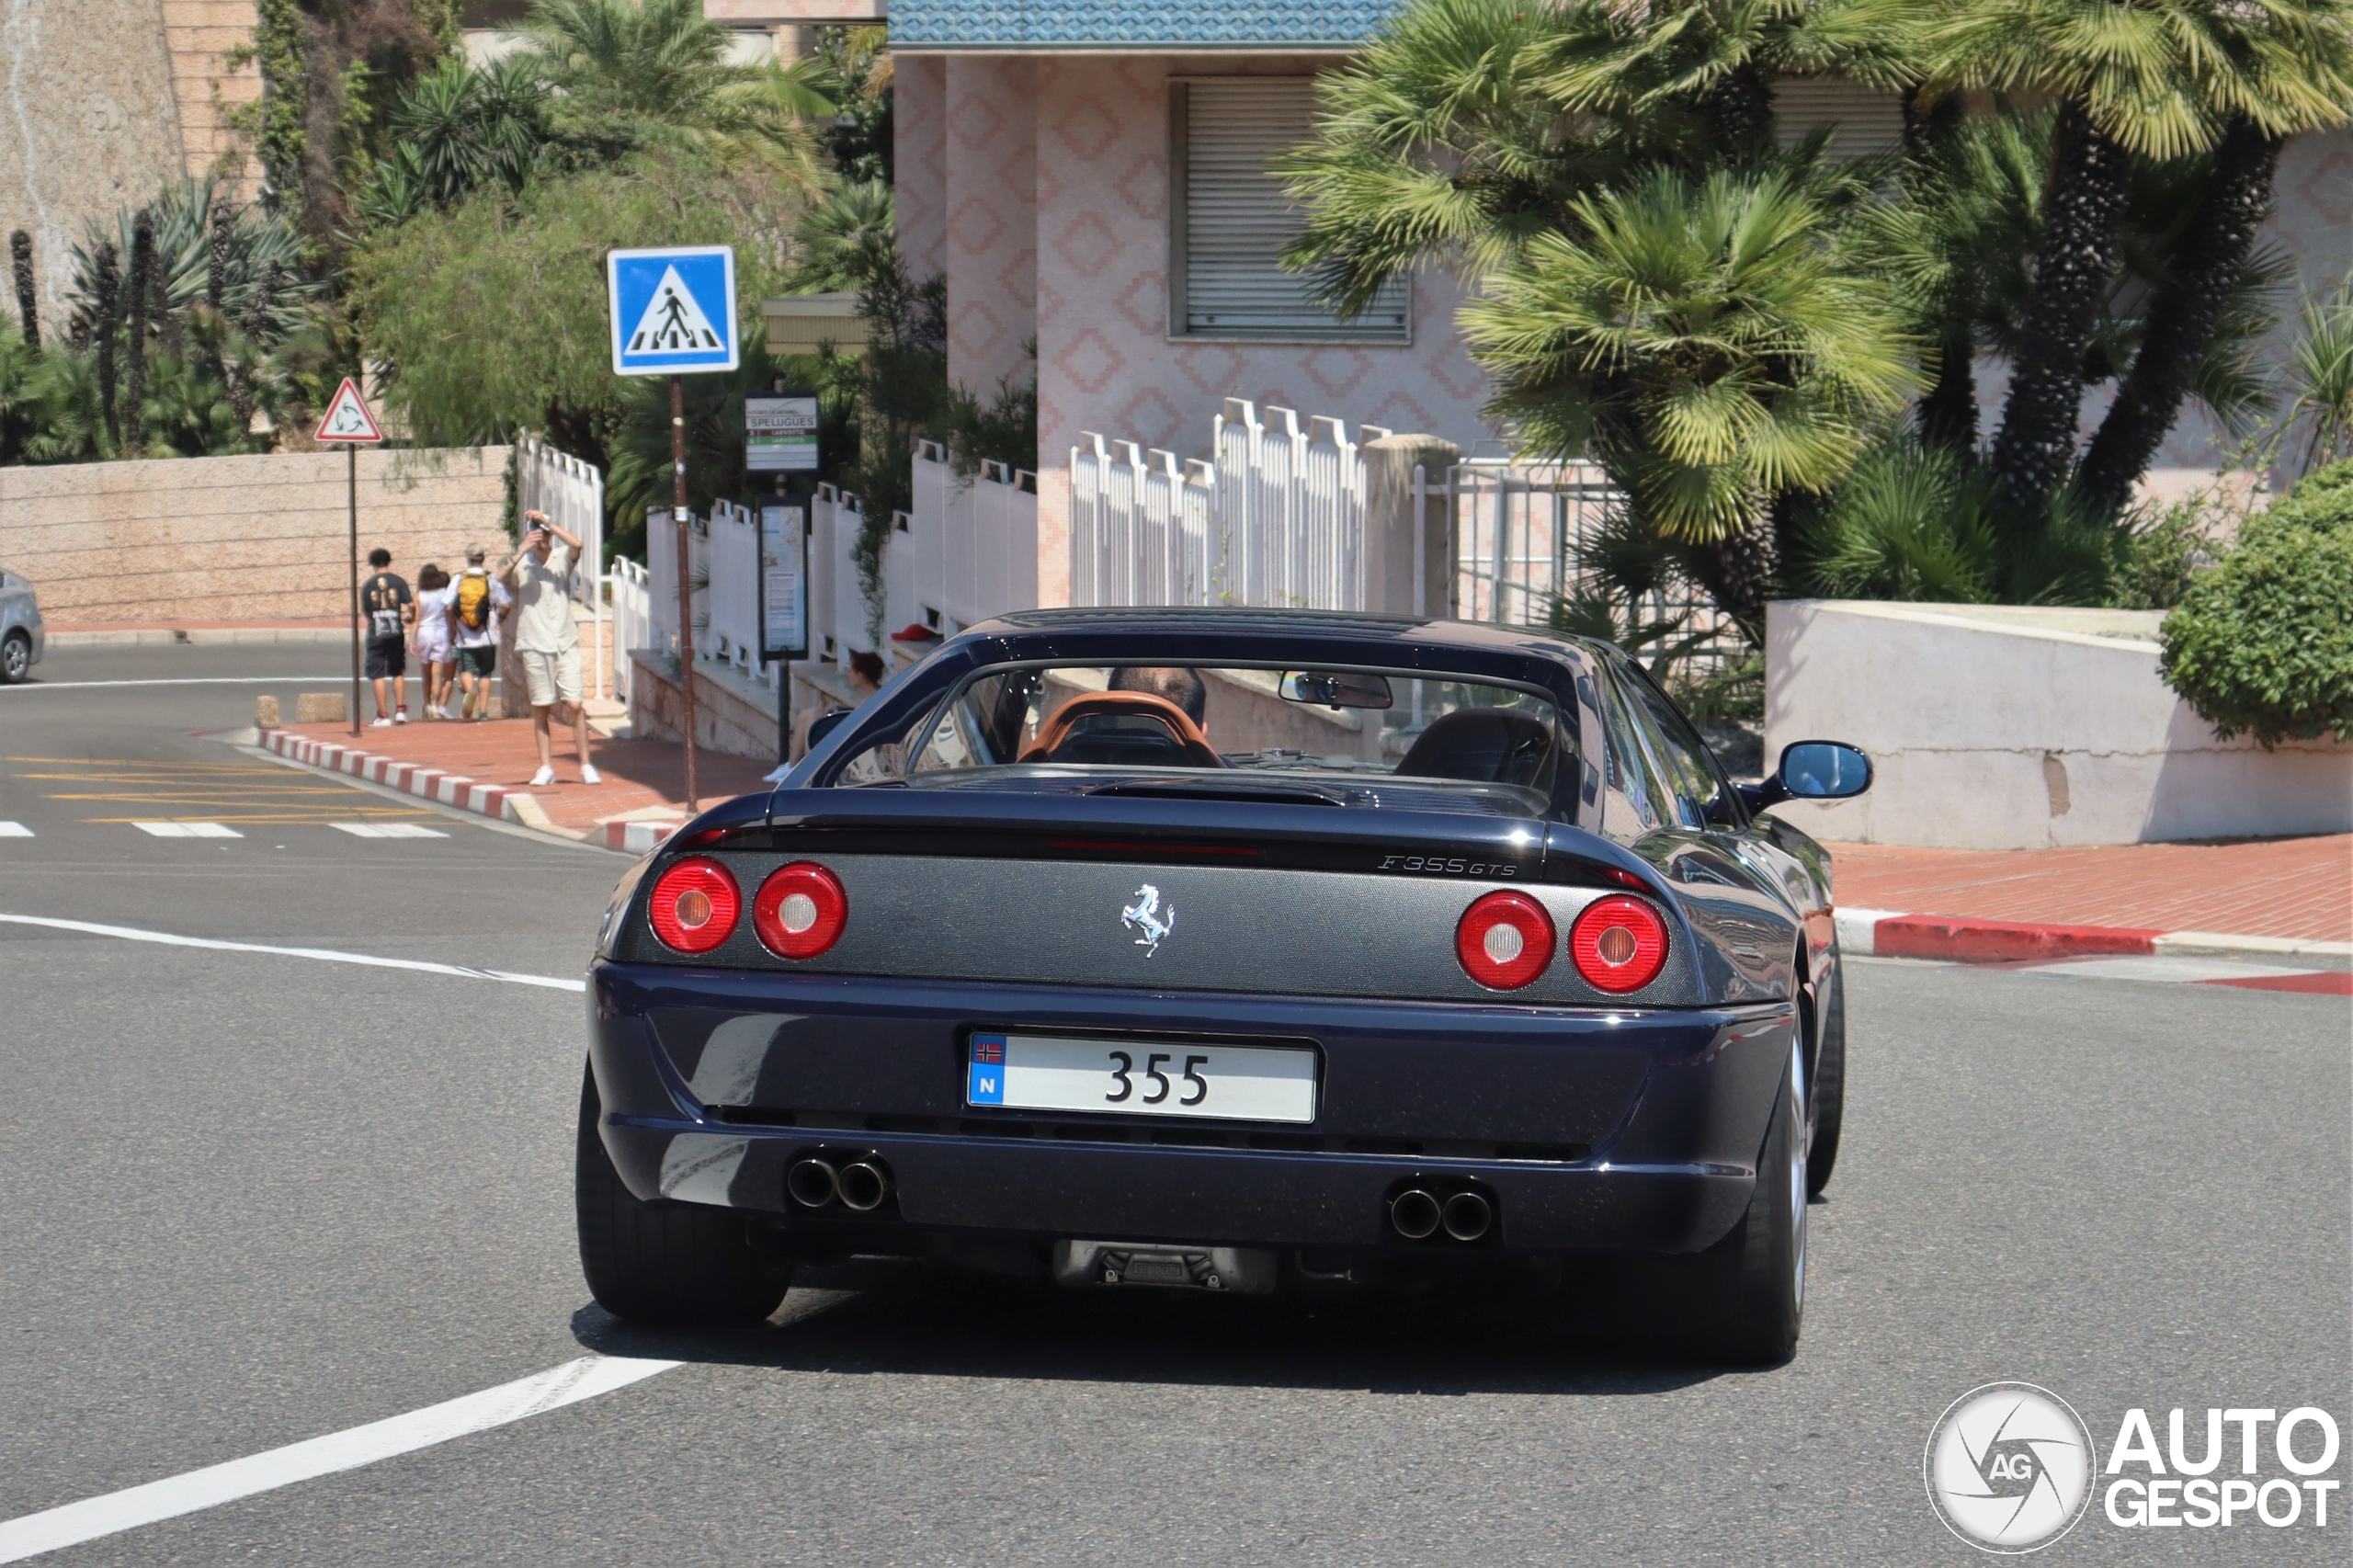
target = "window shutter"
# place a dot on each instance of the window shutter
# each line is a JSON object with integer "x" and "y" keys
{"x": 1869, "y": 120}
{"x": 1238, "y": 220}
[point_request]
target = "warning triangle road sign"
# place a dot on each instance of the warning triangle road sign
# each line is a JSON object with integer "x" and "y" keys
{"x": 673, "y": 323}
{"x": 347, "y": 419}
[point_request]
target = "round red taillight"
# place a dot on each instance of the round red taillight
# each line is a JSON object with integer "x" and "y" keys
{"x": 1504, "y": 940}
{"x": 1618, "y": 943}
{"x": 694, "y": 905}
{"x": 800, "y": 910}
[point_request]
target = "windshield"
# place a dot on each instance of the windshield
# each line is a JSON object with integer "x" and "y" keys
{"x": 1061, "y": 718}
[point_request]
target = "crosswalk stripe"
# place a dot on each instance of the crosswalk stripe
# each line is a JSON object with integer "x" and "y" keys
{"x": 187, "y": 829}
{"x": 388, "y": 830}
{"x": 15, "y": 830}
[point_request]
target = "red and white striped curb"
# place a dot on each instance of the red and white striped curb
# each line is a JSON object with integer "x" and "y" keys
{"x": 637, "y": 838}
{"x": 1958, "y": 938}
{"x": 412, "y": 779}
{"x": 454, "y": 790}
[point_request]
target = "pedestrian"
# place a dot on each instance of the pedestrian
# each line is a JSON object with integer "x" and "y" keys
{"x": 865, "y": 676}
{"x": 476, "y": 600}
{"x": 547, "y": 642}
{"x": 386, "y": 608}
{"x": 436, "y": 659}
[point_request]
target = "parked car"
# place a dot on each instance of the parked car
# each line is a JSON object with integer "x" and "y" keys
{"x": 21, "y": 638}
{"x": 1231, "y": 951}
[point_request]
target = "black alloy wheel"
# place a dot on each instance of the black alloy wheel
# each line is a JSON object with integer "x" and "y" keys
{"x": 662, "y": 1261}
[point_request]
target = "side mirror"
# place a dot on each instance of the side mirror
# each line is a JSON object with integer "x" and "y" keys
{"x": 1823, "y": 770}
{"x": 825, "y": 724}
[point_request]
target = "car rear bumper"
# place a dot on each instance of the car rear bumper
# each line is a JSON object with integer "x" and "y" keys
{"x": 1587, "y": 1129}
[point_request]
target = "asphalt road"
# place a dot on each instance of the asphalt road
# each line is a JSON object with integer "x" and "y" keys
{"x": 251, "y": 1199}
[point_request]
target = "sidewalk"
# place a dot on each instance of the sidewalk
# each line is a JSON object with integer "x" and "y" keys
{"x": 334, "y": 632}
{"x": 2291, "y": 888}
{"x": 487, "y": 766}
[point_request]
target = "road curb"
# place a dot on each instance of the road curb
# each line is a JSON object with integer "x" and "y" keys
{"x": 168, "y": 636}
{"x": 428, "y": 783}
{"x": 1894, "y": 934}
{"x": 518, "y": 806}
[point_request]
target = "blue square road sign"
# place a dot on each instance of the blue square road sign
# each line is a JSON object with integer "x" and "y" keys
{"x": 673, "y": 309}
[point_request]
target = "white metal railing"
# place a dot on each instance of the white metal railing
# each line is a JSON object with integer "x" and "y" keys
{"x": 572, "y": 492}
{"x": 836, "y": 604}
{"x": 631, "y": 593}
{"x": 971, "y": 543}
{"x": 1522, "y": 538}
{"x": 1276, "y": 518}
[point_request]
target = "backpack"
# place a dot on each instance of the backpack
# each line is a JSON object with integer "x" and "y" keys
{"x": 472, "y": 604}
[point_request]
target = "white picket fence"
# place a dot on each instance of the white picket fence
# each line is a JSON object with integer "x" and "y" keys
{"x": 572, "y": 492}
{"x": 972, "y": 545}
{"x": 1276, "y": 518}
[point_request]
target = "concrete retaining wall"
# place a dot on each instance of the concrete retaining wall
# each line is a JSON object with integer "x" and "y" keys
{"x": 260, "y": 537}
{"x": 1998, "y": 727}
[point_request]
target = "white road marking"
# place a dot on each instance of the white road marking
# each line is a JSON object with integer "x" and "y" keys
{"x": 388, "y": 830}
{"x": 211, "y": 1487}
{"x": 15, "y": 830}
{"x": 189, "y": 680}
{"x": 325, "y": 955}
{"x": 187, "y": 829}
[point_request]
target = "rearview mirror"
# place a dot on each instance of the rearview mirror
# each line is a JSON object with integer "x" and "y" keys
{"x": 1337, "y": 689}
{"x": 1824, "y": 770}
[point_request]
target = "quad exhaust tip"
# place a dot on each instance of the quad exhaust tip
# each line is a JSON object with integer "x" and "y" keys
{"x": 1467, "y": 1216}
{"x": 1418, "y": 1214}
{"x": 1415, "y": 1213}
{"x": 812, "y": 1183}
{"x": 863, "y": 1185}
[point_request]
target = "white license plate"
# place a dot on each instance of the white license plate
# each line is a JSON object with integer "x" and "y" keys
{"x": 1130, "y": 1078}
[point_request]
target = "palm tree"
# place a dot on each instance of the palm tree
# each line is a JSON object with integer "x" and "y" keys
{"x": 1707, "y": 342}
{"x": 2156, "y": 79}
{"x": 2320, "y": 379}
{"x": 661, "y": 63}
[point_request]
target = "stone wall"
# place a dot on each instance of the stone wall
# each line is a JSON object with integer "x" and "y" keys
{"x": 261, "y": 537}
{"x": 2008, "y": 727}
{"x": 108, "y": 101}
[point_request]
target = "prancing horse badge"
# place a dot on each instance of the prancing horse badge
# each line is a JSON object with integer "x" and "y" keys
{"x": 1144, "y": 915}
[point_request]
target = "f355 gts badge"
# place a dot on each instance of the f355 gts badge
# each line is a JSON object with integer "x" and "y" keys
{"x": 1144, "y": 915}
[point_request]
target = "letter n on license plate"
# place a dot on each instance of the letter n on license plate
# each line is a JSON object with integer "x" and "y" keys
{"x": 1132, "y": 1078}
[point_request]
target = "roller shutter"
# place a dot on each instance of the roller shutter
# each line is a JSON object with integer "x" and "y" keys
{"x": 1236, "y": 220}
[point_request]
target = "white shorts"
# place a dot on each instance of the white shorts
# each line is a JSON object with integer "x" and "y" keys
{"x": 433, "y": 650}
{"x": 552, "y": 677}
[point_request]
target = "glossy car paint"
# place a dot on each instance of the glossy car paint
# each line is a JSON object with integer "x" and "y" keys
{"x": 21, "y": 613}
{"x": 1592, "y": 1121}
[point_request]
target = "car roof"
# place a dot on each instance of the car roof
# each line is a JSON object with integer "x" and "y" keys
{"x": 1091, "y": 630}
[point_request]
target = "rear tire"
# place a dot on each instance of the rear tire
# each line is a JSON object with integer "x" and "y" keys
{"x": 1742, "y": 1302}
{"x": 16, "y": 658}
{"x": 662, "y": 1263}
{"x": 1829, "y": 1086}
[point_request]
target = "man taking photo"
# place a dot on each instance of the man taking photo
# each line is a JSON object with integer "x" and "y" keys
{"x": 547, "y": 641}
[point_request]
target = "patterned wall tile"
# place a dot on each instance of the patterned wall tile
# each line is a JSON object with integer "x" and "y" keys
{"x": 919, "y": 153}
{"x": 993, "y": 219}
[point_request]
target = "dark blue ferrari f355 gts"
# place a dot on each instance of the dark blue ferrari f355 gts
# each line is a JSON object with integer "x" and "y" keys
{"x": 1229, "y": 951}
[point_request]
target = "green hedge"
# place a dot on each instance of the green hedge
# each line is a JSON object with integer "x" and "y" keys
{"x": 2263, "y": 643}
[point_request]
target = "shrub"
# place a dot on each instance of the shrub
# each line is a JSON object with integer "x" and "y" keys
{"x": 2263, "y": 643}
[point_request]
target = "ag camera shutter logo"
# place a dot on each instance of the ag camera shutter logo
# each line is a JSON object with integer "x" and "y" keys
{"x": 2009, "y": 1467}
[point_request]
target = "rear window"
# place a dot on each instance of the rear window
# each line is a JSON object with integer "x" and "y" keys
{"x": 1324, "y": 724}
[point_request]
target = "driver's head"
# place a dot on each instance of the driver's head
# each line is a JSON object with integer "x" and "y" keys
{"x": 1182, "y": 686}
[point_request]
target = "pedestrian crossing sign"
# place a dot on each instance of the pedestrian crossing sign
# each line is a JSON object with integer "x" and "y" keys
{"x": 673, "y": 310}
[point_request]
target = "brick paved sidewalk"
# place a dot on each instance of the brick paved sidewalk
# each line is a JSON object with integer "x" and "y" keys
{"x": 642, "y": 777}
{"x": 2297, "y": 888}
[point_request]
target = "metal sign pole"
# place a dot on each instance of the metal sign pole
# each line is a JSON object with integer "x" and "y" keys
{"x": 351, "y": 497}
{"x": 686, "y": 591}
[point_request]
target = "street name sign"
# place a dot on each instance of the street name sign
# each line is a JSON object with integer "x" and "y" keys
{"x": 347, "y": 421}
{"x": 781, "y": 433}
{"x": 673, "y": 309}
